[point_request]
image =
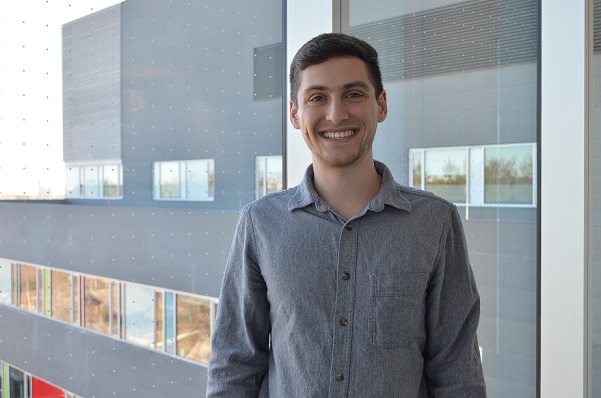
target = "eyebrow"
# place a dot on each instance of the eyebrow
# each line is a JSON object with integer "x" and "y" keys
{"x": 347, "y": 86}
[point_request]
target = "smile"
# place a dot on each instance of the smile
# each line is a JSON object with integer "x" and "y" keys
{"x": 338, "y": 134}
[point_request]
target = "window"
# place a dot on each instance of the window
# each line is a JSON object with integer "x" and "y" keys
{"x": 494, "y": 175}
{"x": 94, "y": 181}
{"x": 191, "y": 180}
{"x": 269, "y": 175}
{"x": 27, "y": 285}
{"x": 139, "y": 315}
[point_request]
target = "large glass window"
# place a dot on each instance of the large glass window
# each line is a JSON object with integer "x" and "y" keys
{"x": 28, "y": 287}
{"x": 461, "y": 82}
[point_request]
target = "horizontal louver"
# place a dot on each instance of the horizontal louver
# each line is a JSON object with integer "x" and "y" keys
{"x": 459, "y": 37}
{"x": 92, "y": 87}
{"x": 269, "y": 66}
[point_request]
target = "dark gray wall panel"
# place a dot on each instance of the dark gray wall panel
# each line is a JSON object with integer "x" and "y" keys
{"x": 93, "y": 365}
{"x": 179, "y": 249}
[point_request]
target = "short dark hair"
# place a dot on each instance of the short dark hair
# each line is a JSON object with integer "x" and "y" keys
{"x": 330, "y": 45}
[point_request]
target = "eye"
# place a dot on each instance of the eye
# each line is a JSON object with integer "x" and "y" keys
{"x": 316, "y": 98}
{"x": 355, "y": 95}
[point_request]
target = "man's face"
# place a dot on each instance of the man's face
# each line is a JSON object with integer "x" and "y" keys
{"x": 338, "y": 111}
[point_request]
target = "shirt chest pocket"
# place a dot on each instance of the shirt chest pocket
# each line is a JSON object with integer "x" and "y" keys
{"x": 397, "y": 309}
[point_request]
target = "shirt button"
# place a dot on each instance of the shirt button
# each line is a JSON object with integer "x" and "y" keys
{"x": 339, "y": 377}
{"x": 348, "y": 227}
{"x": 343, "y": 321}
{"x": 346, "y": 276}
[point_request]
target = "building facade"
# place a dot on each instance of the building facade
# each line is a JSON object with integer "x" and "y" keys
{"x": 175, "y": 117}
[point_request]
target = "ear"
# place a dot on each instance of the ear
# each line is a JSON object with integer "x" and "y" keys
{"x": 383, "y": 104}
{"x": 294, "y": 116}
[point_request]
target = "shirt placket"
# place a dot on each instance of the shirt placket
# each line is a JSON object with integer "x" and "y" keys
{"x": 343, "y": 322}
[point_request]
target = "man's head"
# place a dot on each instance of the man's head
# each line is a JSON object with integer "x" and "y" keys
{"x": 330, "y": 45}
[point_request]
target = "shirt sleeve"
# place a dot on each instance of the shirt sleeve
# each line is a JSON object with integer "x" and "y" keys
{"x": 240, "y": 340}
{"x": 453, "y": 366}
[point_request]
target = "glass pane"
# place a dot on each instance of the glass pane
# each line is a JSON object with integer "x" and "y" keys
{"x": 116, "y": 320}
{"x": 76, "y": 281}
{"x": 5, "y": 284}
{"x": 193, "y": 327}
{"x": 61, "y": 295}
{"x": 96, "y": 304}
{"x": 416, "y": 169}
{"x": 73, "y": 182}
{"x": 14, "y": 283}
{"x": 17, "y": 383}
{"x": 159, "y": 320}
{"x": 139, "y": 315}
{"x": 461, "y": 76}
{"x": 28, "y": 299}
{"x": 509, "y": 174}
{"x": 170, "y": 322}
{"x": 169, "y": 180}
{"x": 111, "y": 177}
{"x": 446, "y": 173}
{"x": 274, "y": 173}
{"x": 91, "y": 185}
{"x": 42, "y": 287}
{"x": 199, "y": 179}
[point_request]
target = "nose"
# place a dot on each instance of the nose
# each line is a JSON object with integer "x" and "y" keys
{"x": 336, "y": 111}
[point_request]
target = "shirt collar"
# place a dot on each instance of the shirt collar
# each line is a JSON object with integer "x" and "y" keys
{"x": 389, "y": 194}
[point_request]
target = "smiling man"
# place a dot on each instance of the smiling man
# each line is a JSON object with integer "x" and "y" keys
{"x": 348, "y": 285}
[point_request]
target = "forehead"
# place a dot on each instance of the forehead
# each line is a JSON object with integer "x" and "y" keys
{"x": 335, "y": 73}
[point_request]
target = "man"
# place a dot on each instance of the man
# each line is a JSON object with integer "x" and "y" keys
{"x": 348, "y": 285}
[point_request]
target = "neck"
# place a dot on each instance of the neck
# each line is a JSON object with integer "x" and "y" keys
{"x": 347, "y": 189}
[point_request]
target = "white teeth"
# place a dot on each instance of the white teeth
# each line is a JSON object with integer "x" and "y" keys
{"x": 338, "y": 134}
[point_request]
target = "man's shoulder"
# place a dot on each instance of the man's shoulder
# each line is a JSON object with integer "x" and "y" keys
{"x": 419, "y": 197}
{"x": 273, "y": 201}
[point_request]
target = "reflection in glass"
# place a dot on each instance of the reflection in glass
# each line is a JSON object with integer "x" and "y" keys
{"x": 76, "y": 283}
{"x": 61, "y": 295}
{"x": 73, "y": 182}
{"x": 169, "y": 179}
{"x": 446, "y": 173}
{"x": 111, "y": 181}
{"x": 159, "y": 320}
{"x": 17, "y": 382}
{"x": 116, "y": 305}
{"x": 508, "y": 176}
{"x": 91, "y": 185}
{"x": 5, "y": 284}
{"x": 200, "y": 179}
{"x": 139, "y": 315}
{"x": 28, "y": 298}
{"x": 96, "y": 304}
{"x": 461, "y": 77}
{"x": 193, "y": 327}
{"x": 170, "y": 322}
{"x": 269, "y": 175}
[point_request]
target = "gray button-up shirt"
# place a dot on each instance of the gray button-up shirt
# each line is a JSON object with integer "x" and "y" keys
{"x": 382, "y": 305}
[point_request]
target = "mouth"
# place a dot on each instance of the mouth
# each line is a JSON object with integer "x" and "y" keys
{"x": 338, "y": 135}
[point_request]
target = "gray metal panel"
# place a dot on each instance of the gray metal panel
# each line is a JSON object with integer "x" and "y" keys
{"x": 269, "y": 71}
{"x": 179, "y": 249}
{"x": 92, "y": 365}
{"x": 92, "y": 87}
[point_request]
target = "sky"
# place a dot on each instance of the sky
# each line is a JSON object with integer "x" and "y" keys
{"x": 31, "y": 159}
